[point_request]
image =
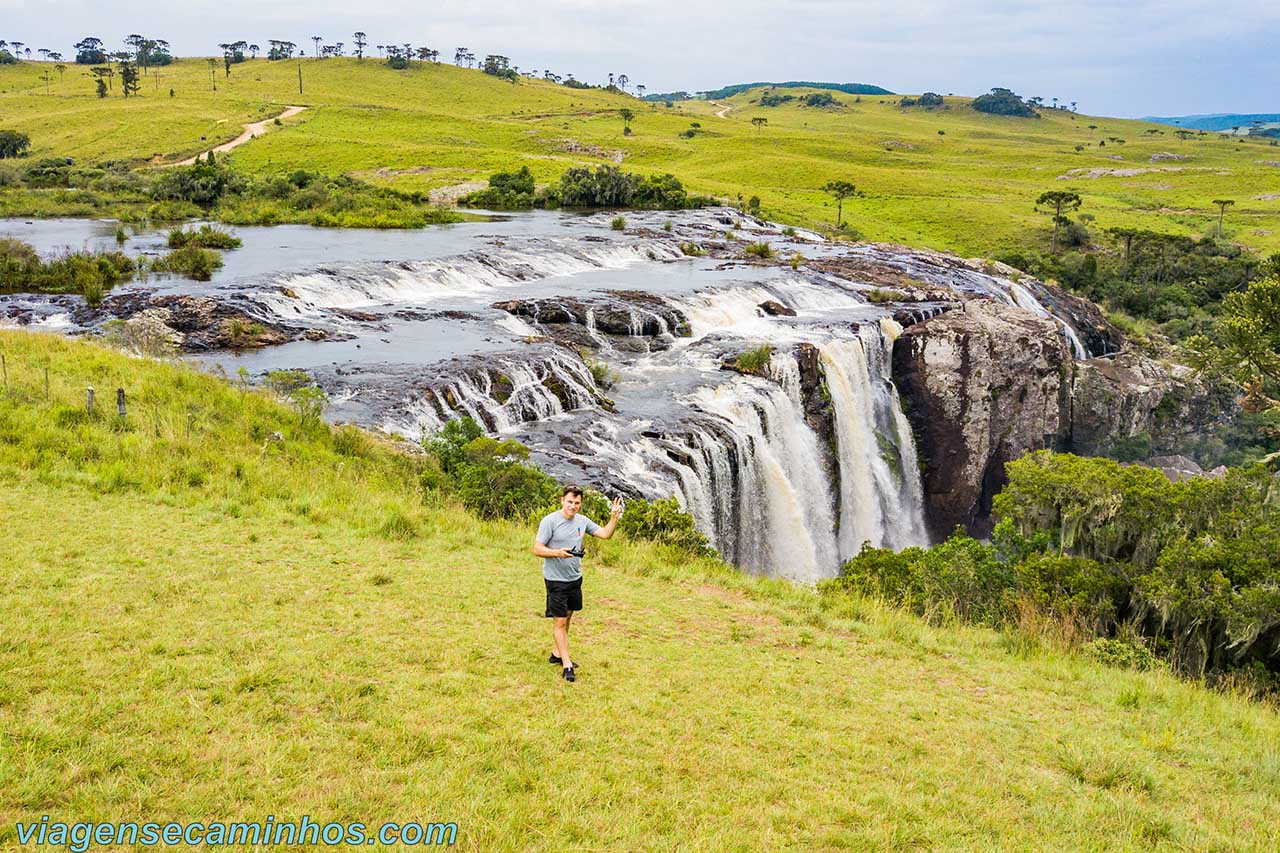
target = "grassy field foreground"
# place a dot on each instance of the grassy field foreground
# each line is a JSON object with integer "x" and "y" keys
{"x": 203, "y": 620}
{"x": 951, "y": 178}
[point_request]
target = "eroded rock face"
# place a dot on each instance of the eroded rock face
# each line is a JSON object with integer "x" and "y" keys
{"x": 986, "y": 383}
{"x": 982, "y": 385}
{"x": 1131, "y": 395}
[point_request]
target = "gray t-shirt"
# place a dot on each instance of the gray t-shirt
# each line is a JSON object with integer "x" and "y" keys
{"x": 556, "y": 531}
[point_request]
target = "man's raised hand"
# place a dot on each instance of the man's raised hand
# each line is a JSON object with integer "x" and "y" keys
{"x": 615, "y": 508}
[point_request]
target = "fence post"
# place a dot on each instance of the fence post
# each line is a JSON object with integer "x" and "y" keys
{"x": 89, "y": 403}
{"x": 120, "y": 401}
{"x": 46, "y": 384}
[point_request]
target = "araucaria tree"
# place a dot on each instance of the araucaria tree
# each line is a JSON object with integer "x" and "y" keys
{"x": 840, "y": 190}
{"x": 361, "y": 40}
{"x": 128, "y": 77}
{"x": 1223, "y": 204}
{"x": 1057, "y": 203}
{"x": 759, "y": 122}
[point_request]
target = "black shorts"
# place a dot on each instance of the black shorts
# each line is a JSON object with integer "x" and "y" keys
{"x": 563, "y": 596}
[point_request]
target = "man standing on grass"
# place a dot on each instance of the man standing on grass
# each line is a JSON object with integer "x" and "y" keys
{"x": 559, "y": 542}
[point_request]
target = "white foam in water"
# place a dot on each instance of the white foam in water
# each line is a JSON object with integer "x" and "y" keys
{"x": 474, "y": 275}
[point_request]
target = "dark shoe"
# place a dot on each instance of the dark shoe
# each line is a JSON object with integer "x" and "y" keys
{"x": 554, "y": 659}
{"x": 568, "y": 673}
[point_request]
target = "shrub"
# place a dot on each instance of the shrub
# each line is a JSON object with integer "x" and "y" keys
{"x": 297, "y": 388}
{"x": 191, "y": 260}
{"x": 202, "y": 183}
{"x": 819, "y": 99}
{"x": 959, "y": 578}
{"x": 507, "y": 191}
{"x": 618, "y": 223}
{"x": 13, "y": 143}
{"x": 207, "y": 237}
{"x": 759, "y": 250}
{"x": 692, "y": 250}
{"x": 755, "y": 360}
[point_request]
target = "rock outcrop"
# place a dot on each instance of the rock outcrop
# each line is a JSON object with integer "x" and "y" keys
{"x": 625, "y": 319}
{"x": 987, "y": 382}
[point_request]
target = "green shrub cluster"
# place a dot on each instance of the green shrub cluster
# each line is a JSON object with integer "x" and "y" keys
{"x": 209, "y": 189}
{"x": 507, "y": 191}
{"x": 207, "y": 237}
{"x": 191, "y": 260}
{"x": 607, "y": 186}
{"x": 13, "y": 143}
{"x": 1194, "y": 566}
{"x": 89, "y": 274}
{"x": 1003, "y": 102}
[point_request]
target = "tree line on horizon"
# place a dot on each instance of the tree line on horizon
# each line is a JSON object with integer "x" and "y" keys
{"x": 144, "y": 52}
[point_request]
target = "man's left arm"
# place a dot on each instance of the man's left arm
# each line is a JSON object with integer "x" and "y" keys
{"x": 615, "y": 510}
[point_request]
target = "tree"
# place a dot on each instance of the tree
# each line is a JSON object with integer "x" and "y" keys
{"x": 1245, "y": 343}
{"x": 759, "y": 122}
{"x": 317, "y": 40}
{"x": 623, "y": 80}
{"x": 61, "y": 69}
{"x": 460, "y": 56}
{"x": 44, "y": 53}
{"x": 840, "y": 190}
{"x": 361, "y": 40}
{"x": 627, "y": 115}
{"x": 13, "y": 143}
{"x": 1005, "y": 103}
{"x": 639, "y": 90}
{"x": 128, "y": 77}
{"x": 17, "y": 48}
{"x": 1059, "y": 201}
{"x": 102, "y": 75}
{"x": 253, "y": 51}
{"x": 1223, "y": 204}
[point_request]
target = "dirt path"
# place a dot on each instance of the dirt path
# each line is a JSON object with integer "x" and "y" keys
{"x": 724, "y": 113}
{"x": 251, "y": 130}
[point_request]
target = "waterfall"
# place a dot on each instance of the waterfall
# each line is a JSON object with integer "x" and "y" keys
{"x": 881, "y": 498}
{"x": 783, "y": 521}
{"x": 501, "y": 393}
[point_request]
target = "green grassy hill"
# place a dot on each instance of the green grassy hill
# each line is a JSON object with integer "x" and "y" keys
{"x": 950, "y": 178}
{"x": 212, "y": 611}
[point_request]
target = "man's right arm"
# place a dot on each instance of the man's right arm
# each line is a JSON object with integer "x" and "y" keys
{"x": 543, "y": 536}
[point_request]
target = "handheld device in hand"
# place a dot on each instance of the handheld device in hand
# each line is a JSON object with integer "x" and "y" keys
{"x": 578, "y": 552}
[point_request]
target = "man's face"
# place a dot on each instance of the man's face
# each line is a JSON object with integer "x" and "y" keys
{"x": 571, "y": 504}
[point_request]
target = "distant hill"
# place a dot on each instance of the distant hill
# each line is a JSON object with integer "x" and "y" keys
{"x": 1215, "y": 121}
{"x": 847, "y": 88}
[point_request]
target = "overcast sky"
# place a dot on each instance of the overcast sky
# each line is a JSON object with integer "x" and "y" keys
{"x": 1114, "y": 57}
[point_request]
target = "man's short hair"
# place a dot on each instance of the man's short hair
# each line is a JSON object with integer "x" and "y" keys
{"x": 571, "y": 490}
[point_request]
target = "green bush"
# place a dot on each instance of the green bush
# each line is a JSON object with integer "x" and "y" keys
{"x": 507, "y": 191}
{"x": 207, "y": 237}
{"x": 759, "y": 250}
{"x": 755, "y": 360}
{"x": 13, "y": 143}
{"x": 88, "y": 274}
{"x": 191, "y": 260}
{"x": 618, "y": 223}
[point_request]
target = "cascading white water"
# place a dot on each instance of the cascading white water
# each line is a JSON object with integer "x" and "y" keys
{"x": 881, "y": 498}
{"x": 501, "y": 405}
{"x": 471, "y": 275}
{"x": 782, "y": 522}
